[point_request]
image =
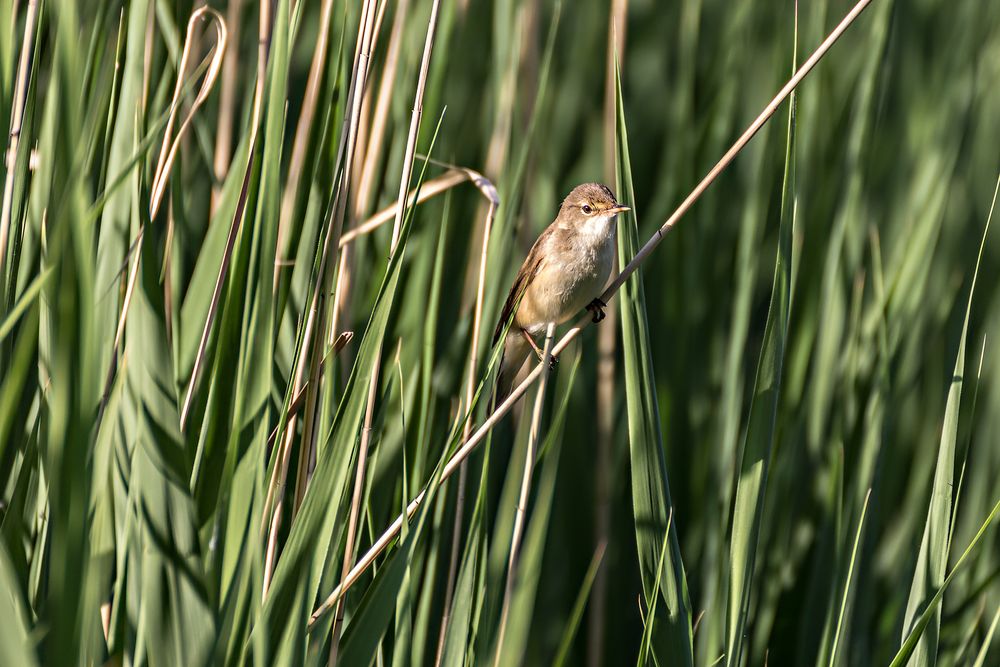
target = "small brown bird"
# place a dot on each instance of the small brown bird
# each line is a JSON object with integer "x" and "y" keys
{"x": 564, "y": 272}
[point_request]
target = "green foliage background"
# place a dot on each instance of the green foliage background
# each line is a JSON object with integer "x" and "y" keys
{"x": 802, "y": 413}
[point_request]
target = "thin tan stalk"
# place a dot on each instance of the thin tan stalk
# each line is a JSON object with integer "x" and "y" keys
{"x": 227, "y": 105}
{"x": 299, "y": 399}
{"x": 342, "y": 290}
{"x": 470, "y": 388}
{"x": 302, "y": 388}
{"x": 404, "y": 183}
{"x": 373, "y": 154}
{"x": 607, "y": 341}
{"x": 522, "y": 503}
{"x": 302, "y": 133}
{"x": 350, "y": 139}
{"x": 380, "y": 118}
{"x": 288, "y": 204}
{"x": 169, "y": 148}
{"x": 496, "y": 151}
{"x": 309, "y": 359}
{"x": 16, "y": 123}
{"x": 367, "y": 38}
{"x": 415, "y": 116}
{"x": 393, "y": 530}
{"x": 168, "y": 153}
{"x": 364, "y": 126}
{"x": 428, "y": 190}
{"x": 263, "y": 49}
{"x": 309, "y": 356}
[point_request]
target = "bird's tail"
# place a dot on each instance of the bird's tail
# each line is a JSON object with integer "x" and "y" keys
{"x": 515, "y": 351}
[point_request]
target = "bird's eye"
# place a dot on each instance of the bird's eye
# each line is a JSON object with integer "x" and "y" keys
{"x": 586, "y": 209}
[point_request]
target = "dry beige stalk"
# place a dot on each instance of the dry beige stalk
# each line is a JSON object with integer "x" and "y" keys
{"x": 373, "y": 154}
{"x": 263, "y": 48}
{"x": 16, "y": 121}
{"x": 311, "y": 354}
{"x": 522, "y": 503}
{"x": 302, "y": 133}
{"x": 168, "y": 152}
{"x": 404, "y": 183}
{"x": 227, "y": 105}
{"x": 169, "y": 148}
{"x": 428, "y": 190}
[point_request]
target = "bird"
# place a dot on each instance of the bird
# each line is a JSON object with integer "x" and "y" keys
{"x": 564, "y": 272}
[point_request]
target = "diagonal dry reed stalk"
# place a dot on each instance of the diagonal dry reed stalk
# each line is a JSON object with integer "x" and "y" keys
{"x": 428, "y": 190}
{"x": 456, "y": 460}
{"x": 522, "y": 503}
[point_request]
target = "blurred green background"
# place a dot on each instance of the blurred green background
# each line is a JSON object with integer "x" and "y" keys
{"x": 129, "y": 537}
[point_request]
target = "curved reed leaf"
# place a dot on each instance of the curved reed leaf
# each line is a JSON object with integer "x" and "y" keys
{"x": 751, "y": 485}
{"x": 659, "y": 564}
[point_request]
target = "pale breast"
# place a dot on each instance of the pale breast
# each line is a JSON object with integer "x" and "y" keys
{"x": 576, "y": 269}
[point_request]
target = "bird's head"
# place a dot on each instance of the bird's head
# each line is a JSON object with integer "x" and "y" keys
{"x": 590, "y": 207}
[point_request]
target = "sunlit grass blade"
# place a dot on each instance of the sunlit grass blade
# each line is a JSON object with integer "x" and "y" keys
{"x": 847, "y": 583}
{"x": 931, "y": 609}
{"x": 15, "y": 642}
{"x": 649, "y": 621}
{"x": 751, "y": 483}
{"x": 459, "y": 634}
{"x": 28, "y": 297}
{"x": 987, "y": 640}
{"x": 362, "y": 636}
{"x": 659, "y": 564}
{"x": 566, "y": 643}
{"x": 932, "y": 561}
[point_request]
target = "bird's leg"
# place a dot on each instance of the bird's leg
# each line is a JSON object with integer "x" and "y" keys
{"x": 553, "y": 359}
{"x": 597, "y": 308}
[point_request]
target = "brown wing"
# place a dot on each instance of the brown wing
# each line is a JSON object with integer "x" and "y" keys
{"x": 527, "y": 271}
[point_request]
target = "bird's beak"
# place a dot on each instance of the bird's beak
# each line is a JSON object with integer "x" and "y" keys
{"x": 618, "y": 209}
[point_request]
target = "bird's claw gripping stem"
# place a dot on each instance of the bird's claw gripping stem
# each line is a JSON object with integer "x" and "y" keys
{"x": 597, "y": 308}
{"x": 553, "y": 359}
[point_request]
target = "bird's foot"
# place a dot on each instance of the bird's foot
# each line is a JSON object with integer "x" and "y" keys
{"x": 597, "y": 308}
{"x": 553, "y": 359}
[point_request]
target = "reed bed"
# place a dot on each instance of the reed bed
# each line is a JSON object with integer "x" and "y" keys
{"x": 251, "y": 255}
